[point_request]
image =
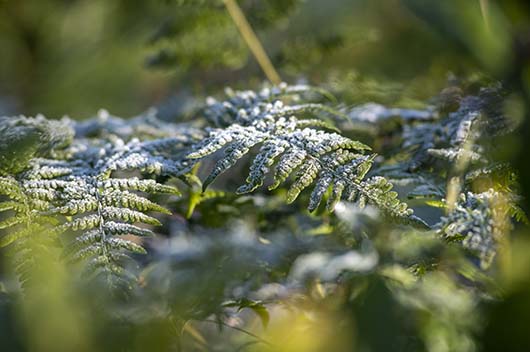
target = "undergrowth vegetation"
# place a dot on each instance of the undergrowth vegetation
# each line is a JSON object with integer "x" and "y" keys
{"x": 332, "y": 228}
{"x": 348, "y": 210}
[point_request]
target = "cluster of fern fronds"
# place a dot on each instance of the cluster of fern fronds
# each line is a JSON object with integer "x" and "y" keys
{"x": 91, "y": 191}
{"x": 444, "y": 158}
{"x": 90, "y": 194}
{"x": 93, "y": 181}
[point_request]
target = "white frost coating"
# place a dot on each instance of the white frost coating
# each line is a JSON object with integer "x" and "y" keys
{"x": 473, "y": 222}
{"x": 296, "y": 146}
{"x": 97, "y": 205}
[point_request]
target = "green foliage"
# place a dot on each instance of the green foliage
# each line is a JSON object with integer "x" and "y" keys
{"x": 186, "y": 38}
{"x": 85, "y": 189}
{"x": 187, "y": 228}
{"x": 446, "y": 157}
{"x": 83, "y": 192}
{"x": 89, "y": 205}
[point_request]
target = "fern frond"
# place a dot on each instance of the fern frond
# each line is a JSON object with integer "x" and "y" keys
{"x": 159, "y": 157}
{"x": 104, "y": 206}
{"x": 261, "y": 164}
{"x": 133, "y": 201}
{"x": 478, "y": 116}
{"x": 90, "y": 244}
{"x": 129, "y": 215}
{"x": 86, "y": 192}
{"x": 122, "y": 228}
{"x": 298, "y": 147}
{"x": 83, "y": 223}
{"x": 137, "y": 184}
{"x": 453, "y": 154}
{"x": 10, "y": 187}
{"x": 25, "y": 226}
{"x": 478, "y": 221}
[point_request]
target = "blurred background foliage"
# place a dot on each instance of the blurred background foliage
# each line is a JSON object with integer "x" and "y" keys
{"x": 73, "y": 57}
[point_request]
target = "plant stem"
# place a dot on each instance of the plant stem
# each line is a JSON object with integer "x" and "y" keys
{"x": 484, "y": 9}
{"x": 252, "y": 41}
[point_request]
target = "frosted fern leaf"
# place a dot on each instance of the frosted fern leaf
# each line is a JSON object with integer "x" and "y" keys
{"x": 293, "y": 142}
{"x": 478, "y": 221}
{"x": 457, "y": 134}
{"x": 87, "y": 190}
{"x": 104, "y": 207}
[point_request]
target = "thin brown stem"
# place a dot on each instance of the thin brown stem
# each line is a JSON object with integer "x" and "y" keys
{"x": 484, "y": 9}
{"x": 252, "y": 41}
